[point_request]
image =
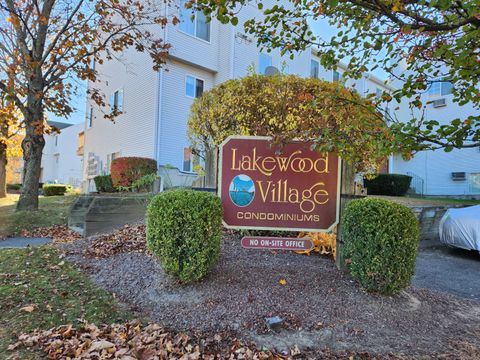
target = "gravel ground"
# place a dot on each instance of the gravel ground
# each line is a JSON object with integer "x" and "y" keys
{"x": 321, "y": 307}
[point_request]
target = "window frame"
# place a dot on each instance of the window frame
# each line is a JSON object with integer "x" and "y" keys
{"x": 114, "y": 100}
{"x": 318, "y": 68}
{"x": 260, "y": 62}
{"x": 195, "y": 87}
{"x": 339, "y": 76}
{"x": 472, "y": 183}
{"x": 194, "y": 35}
{"x": 90, "y": 117}
{"x": 440, "y": 84}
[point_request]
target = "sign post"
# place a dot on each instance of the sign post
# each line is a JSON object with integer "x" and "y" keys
{"x": 266, "y": 187}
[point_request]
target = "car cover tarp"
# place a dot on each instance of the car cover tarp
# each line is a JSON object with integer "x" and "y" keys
{"x": 461, "y": 228}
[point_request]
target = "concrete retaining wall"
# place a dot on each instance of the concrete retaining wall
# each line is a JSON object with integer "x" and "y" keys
{"x": 92, "y": 215}
{"x": 429, "y": 218}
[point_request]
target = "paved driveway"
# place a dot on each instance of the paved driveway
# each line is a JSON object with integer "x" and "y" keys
{"x": 441, "y": 268}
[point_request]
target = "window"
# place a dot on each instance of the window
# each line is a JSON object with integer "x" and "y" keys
{"x": 440, "y": 88}
{"x": 194, "y": 22}
{"x": 336, "y": 76}
{"x": 314, "y": 68}
{"x": 116, "y": 101}
{"x": 90, "y": 117}
{"x": 56, "y": 140}
{"x": 193, "y": 87}
{"x": 475, "y": 183}
{"x": 187, "y": 159}
{"x": 264, "y": 62}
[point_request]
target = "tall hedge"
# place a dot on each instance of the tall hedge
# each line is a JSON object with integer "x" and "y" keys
{"x": 380, "y": 244}
{"x": 388, "y": 184}
{"x": 183, "y": 231}
{"x": 126, "y": 170}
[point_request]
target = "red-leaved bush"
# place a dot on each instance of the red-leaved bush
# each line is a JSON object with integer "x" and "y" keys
{"x": 125, "y": 170}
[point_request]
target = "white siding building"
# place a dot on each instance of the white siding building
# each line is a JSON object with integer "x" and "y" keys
{"x": 60, "y": 161}
{"x": 440, "y": 173}
{"x": 156, "y": 105}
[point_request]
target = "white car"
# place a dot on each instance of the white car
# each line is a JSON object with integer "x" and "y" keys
{"x": 461, "y": 228}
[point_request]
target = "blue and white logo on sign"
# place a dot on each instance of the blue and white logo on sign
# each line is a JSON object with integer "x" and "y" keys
{"x": 242, "y": 190}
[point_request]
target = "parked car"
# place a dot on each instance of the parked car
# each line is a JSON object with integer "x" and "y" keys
{"x": 461, "y": 228}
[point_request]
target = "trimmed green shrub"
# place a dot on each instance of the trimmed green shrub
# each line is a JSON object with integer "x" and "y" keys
{"x": 55, "y": 189}
{"x": 103, "y": 183}
{"x": 183, "y": 231}
{"x": 126, "y": 170}
{"x": 380, "y": 244}
{"x": 388, "y": 184}
{"x": 14, "y": 187}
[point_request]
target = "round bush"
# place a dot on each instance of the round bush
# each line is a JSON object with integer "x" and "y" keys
{"x": 380, "y": 244}
{"x": 388, "y": 184}
{"x": 183, "y": 231}
{"x": 126, "y": 170}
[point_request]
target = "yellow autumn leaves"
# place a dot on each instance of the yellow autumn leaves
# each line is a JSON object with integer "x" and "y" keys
{"x": 288, "y": 107}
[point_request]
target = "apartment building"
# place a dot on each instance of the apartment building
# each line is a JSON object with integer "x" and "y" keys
{"x": 62, "y": 159}
{"x": 156, "y": 105}
{"x": 440, "y": 173}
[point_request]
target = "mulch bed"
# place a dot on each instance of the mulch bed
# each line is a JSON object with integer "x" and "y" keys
{"x": 322, "y": 308}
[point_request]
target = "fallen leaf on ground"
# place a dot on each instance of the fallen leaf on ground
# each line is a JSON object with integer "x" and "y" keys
{"x": 129, "y": 238}
{"x": 282, "y": 282}
{"x": 28, "y": 308}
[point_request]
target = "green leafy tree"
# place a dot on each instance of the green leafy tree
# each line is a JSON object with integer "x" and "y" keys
{"x": 288, "y": 107}
{"x": 46, "y": 45}
{"x": 437, "y": 40}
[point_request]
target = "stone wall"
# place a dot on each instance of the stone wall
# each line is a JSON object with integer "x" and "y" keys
{"x": 429, "y": 217}
{"x": 92, "y": 215}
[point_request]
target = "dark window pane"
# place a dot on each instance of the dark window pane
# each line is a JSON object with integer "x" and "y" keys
{"x": 199, "y": 88}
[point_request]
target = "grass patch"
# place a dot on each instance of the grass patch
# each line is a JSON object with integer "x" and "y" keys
{"x": 39, "y": 278}
{"x": 53, "y": 210}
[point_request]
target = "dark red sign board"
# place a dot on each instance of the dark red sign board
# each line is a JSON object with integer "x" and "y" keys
{"x": 266, "y": 187}
{"x": 277, "y": 243}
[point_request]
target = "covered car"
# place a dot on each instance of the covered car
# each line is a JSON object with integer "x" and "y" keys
{"x": 461, "y": 228}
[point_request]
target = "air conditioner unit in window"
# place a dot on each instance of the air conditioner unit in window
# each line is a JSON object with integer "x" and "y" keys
{"x": 458, "y": 176}
{"x": 439, "y": 103}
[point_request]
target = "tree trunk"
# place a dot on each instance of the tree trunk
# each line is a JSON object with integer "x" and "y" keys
{"x": 32, "y": 146}
{"x": 3, "y": 170}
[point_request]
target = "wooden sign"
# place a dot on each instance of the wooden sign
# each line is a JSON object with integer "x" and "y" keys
{"x": 277, "y": 243}
{"x": 265, "y": 187}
